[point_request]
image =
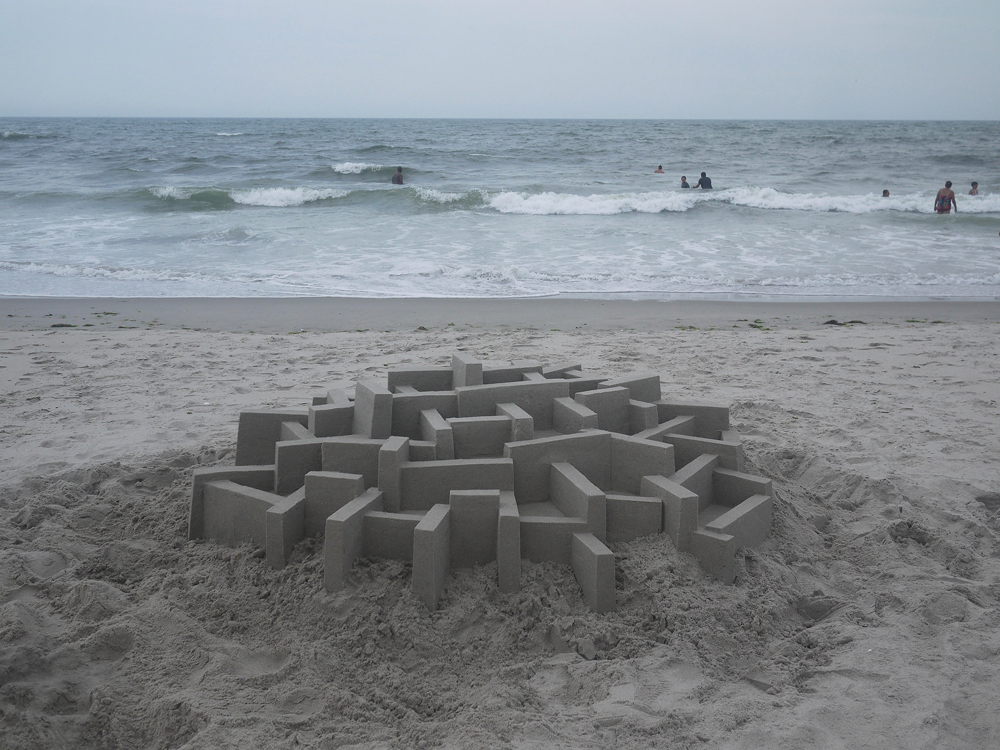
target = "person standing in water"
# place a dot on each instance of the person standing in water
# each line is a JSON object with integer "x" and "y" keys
{"x": 705, "y": 183}
{"x": 658, "y": 170}
{"x": 397, "y": 177}
{"x": 684, "y": 182}
{"x": 975, "y": 189}
{"x": 945, "y": 199}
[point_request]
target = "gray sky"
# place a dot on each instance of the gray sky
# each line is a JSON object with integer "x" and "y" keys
{"x": 880, "y": 59}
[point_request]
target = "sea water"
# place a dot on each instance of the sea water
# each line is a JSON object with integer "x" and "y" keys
{"x": 496, "y": 208}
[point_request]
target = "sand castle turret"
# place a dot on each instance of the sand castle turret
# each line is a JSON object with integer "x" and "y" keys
{"x": 452, "y": 467}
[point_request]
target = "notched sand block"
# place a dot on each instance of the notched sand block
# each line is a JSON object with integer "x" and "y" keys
{"x": 476, "y": 464}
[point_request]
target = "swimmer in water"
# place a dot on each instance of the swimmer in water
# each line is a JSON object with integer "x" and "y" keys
{"x": 658, "y": 170}
{"x": 944, "y": 199}
{"x": 684, "y": 182}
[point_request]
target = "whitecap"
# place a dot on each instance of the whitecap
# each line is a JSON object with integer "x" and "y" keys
{"x": 350, "y": 167}
{"x": 170, "y": 193}
{"x": 436, "y": 196}
{"x": 284, "y": 197}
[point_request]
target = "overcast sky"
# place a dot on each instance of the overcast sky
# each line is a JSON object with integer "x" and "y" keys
{"x": 825, "y": 59}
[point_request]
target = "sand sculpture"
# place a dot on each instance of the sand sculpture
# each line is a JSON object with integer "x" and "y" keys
{"x": 452, "y": 467}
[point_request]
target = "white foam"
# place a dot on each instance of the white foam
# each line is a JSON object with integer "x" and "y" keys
{"x": 229, "y": 134}
{"x": 752, "y": 197}
{"x": 423, "y": 277}
{"x": 769, "y": 198}
{"x": 351, "y": 167}
{"x": 979, "y": 204}
{"x": 96, "y": 272}
{"x": 565, "y": 203}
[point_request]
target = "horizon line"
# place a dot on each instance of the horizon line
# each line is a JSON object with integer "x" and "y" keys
{"x": 494, "y": 118}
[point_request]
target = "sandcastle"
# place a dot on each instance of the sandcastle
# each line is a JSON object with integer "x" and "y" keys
{"x": 452, "y": 467}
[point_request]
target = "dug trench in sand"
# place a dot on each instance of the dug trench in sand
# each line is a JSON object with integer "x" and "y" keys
{"x": 870, "y": 614}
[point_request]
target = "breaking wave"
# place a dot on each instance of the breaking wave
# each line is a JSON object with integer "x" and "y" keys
{"x": 437, "y": 196}
{"x": 351, "y": 167}
{"x": 269, "y": 197}
{"x": 283, "y": 197}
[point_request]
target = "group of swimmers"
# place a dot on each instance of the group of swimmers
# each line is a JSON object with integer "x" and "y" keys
{"x": 704, "y": 182}
{"x": 943, "y": 201}
{"x": 945, "y": 198}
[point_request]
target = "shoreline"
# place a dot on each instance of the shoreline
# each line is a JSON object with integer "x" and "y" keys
{"x": 294, "y": 314}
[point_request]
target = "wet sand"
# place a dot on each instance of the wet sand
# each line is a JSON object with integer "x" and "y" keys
{"x": 283, "y": 315}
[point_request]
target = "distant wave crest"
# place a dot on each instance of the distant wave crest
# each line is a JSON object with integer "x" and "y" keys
{"x": 353, "y": 167}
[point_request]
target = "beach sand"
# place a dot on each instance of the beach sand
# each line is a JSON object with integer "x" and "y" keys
{"x": 870, "y": 617}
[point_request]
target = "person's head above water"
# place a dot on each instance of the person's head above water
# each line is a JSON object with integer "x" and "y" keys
{"x": 947, "y": 183}
{"x": 975, "y": 184}
{"x": 399, "y": 169}
{"x": 885, "y": 193}
{"x": 704, "y": 175}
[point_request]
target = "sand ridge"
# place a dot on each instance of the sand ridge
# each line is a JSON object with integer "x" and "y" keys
{"x": 869, "y": 618}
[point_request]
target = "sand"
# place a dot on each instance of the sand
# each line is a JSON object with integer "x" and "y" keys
{"x": 868, "y": 619}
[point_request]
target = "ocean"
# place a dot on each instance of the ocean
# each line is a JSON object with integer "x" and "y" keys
{"x": 496, "y": 208}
